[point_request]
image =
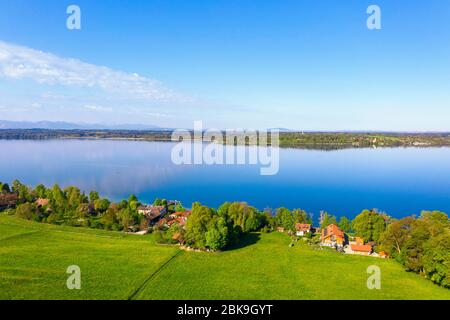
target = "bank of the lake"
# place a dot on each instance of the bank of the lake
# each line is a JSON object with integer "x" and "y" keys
{"x": 400, "y": 181}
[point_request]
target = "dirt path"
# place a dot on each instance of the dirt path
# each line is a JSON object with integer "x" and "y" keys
{"x": 147, "y": 280}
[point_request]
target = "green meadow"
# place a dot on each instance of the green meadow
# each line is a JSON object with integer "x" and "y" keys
{"x": 34, "y": 258}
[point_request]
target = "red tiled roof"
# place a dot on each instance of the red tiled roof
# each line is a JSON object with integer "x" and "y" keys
{"x": 361, "y": 248}
{"x": 302, "y": 227}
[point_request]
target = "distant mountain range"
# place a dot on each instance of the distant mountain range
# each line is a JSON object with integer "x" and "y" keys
{"x": 61, "y": 125}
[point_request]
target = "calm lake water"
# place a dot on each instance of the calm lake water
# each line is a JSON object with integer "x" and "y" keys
{"x": 400, "y": 181}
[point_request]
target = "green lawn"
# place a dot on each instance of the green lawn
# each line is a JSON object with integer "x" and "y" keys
{"x": 34, "y": 258}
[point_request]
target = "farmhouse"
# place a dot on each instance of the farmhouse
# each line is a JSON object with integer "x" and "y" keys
{"x": 152, "y": 213}
{"x": 333, "y": 237}
{"x": 175, "y": 218}
{"x": 364, "y": 250}
{"x": 302, "y": 229}
{"x": 8, "y": 200}
{"x": 180, "y": 217}
{"x": 357, "y": 241}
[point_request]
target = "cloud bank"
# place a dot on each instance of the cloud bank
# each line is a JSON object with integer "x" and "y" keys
{"x": 18, "y": 62}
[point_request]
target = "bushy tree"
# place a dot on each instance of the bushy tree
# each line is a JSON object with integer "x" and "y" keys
{"x": 243, "y": 215}
{"x": 326, "y": 219}
{"x": 285, "y": 219}
{"x": 22, "y": 191}
{"x": 101, "y": 205}
{"x": 4, "y": 188}
{"x": 217, "y": 235}
{"x": 27, "y": 211}
{"x": 197, "y": 226}
{"x": 345, "y": 224}
{"x": 369, "y": 225}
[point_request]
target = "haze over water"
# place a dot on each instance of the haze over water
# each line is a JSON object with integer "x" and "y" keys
{"x": 399, "y": 181}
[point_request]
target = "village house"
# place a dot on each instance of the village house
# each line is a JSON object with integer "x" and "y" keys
{"x": 360, "y": 249}
{"x": 357, "y": 241}
{"x": 175, "y": 218}
{"x": 302, "y": 229}
{"x": 152, "y": 213}
{"x": 40, "y": 202}
{"x": 8, "y": 200}
{"x": 333, "y": 237}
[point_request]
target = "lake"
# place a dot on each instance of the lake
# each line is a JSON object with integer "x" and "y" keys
{"x": 399, "y": 181}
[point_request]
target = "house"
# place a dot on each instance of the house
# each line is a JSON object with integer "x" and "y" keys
{"x": 42, "y": 202}
{"x": 8, "y": 200}
{"x": 357, "y": 241}
{"x": 152, "y": 213}
{"x": 382, "y": 254}
{"x": 280, "y": 229}
{"x": 333, "y": 237}
{"x": 364, "y": 250}
{"x": 302, "y": 229}
{"x": 180, "y": 217}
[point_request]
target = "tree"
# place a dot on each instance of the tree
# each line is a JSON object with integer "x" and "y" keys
{"x": 345, "y": 224}
{"x": 101, "y": 205}
{"x": 27, "y": 211}
{"x": 394, "y": 238}
{"x": 327, "y": 219}
{"x": 369, "y": 225}
{"x": 217, "y": 234}
{"x": 285, "y": 219}
{"x": 82, "y": 211}
{"x": 22, "y": 191}
{"x": 179, "y": 207}
{"x": 197, "y": 226}
{"x": 301, "y": 216}
{"x": 4, "y": 188}
{"x": 242, "y": 215}
{"x": 41, "y": 191}
{"x": 436, "y": 259}
{"x": 110, "y": 218}
{"x": 93, "y": 195}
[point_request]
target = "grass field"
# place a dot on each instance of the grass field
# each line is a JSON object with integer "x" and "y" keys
{"x": 34, "y": 258}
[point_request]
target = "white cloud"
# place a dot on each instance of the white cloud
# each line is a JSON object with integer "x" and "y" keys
{"x": 18, "y": 62}
{"x": 98, "y": 108}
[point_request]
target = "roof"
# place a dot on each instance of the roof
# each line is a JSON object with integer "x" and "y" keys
{"x": 361, "y": 248}
{"x": 332, "y": 230}
{"x": 152, "y": 212}
{"x": 42, "y": 202}
{"x": 182, "y": 213}
{"x": 302, "y": 226}
{"x": 8, "y": 199}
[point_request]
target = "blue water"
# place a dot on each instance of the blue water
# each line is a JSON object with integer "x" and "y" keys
{"x": 399, "y": 181}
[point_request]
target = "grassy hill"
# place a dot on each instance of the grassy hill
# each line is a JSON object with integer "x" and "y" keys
{"x": 34, "y": 258}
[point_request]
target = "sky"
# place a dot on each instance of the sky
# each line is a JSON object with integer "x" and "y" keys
{"x": 297, "y": 64}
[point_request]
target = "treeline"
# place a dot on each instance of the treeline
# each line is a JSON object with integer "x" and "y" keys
{"x": 316, "y": 140}
{"x": 72, "y": 207}
{"x": 421, "y": 244}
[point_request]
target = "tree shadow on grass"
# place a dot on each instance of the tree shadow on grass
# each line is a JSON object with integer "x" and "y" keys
{"x": 245, "y": 240}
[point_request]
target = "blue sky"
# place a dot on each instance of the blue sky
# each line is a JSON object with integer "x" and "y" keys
{"x": 308, "y": 65}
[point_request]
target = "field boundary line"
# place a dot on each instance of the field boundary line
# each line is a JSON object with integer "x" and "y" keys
{"x": 147, "y": 280}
